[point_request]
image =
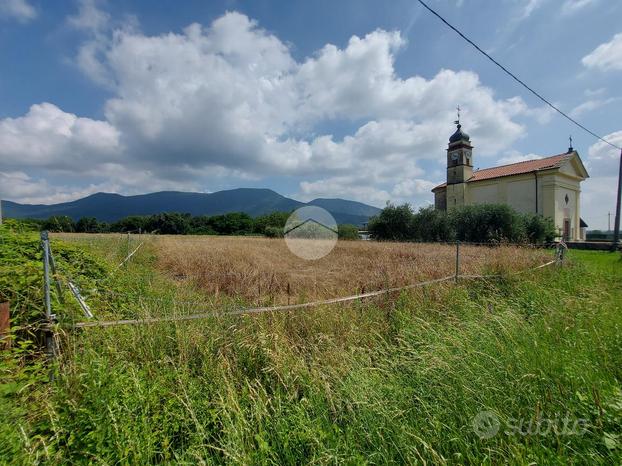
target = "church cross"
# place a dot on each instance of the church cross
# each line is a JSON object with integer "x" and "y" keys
{"x": 458, "y": 111}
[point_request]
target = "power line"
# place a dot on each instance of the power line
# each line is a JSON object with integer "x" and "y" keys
{"x": 516, "y": 78}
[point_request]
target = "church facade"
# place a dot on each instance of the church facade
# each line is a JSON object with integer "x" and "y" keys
{"x": 550, "y": 186}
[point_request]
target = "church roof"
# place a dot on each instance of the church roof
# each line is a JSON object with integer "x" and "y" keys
{"x": 528, "y": 166}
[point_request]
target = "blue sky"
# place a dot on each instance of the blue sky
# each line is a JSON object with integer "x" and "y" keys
{"x": 351, "y": 99}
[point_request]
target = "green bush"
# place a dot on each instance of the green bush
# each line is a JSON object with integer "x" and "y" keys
{"x": 488, "y": 223}
{"x": 485, "y": 223}
{"x": 348, "y": 232}
{"x": 60, "y": 223}
{"x": 273, "y": 232}
{"x": 393, "y": 223}
{"x": 430, "y": 224}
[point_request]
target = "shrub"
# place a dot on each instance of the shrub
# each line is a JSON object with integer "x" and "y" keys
{"x": 393, "y": 223}
{"x": 348, "y": 232}
{"x": 486, "y": 223}
{"x": 273, "y": 232}
{"x": 430, "y": 224}
{"x": 60, "y": 223}
{"x": 539, "y": 229}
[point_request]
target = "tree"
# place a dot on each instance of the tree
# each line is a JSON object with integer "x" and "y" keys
{"x": 487, "y": 223}
{"x": 234, "y": 223}
{"x": 60, "y": 223}
{"x": 274, "y": 219}
{"x": 348, "y": 232}
{"x": 393, "y": 223}
{"x": 131, "y": 223}
{"x": 429, "y": 224}
{"x": 538, "y": 228}
{"x": 89, "y": 225}
{"x": 273, "y": 232}
{"x": 202, "y": 225}
{"x": 169, "y": 223}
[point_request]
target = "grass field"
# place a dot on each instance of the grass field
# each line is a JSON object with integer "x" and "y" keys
{"x": 394, "y": 380}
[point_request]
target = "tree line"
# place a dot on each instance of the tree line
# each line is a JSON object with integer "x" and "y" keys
{"x": 486, "y": 223}
{"x": 174, "y": 223}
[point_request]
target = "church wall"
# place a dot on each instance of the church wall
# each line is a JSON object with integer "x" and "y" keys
{"x": 554, "y": 190}
{"x": 521, "y": 195}
{"x": 566, "y": 187}
{"x": 456, "y": 195}
{"x": 519, "y": 192}
{"x": 484, "y": 193}
{"x": 440, "y": 199}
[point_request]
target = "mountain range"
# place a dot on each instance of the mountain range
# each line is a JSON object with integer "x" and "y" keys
{"x": 110, "y": 207}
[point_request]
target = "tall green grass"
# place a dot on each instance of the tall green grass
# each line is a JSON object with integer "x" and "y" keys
{"x": 397, "y": 380}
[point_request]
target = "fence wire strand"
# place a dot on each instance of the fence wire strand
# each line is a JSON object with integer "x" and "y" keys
{"x": 291, "y": 307}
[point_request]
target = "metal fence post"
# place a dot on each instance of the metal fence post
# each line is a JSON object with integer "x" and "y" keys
{"x": 56, "y": 279}
{"x": 49, "y": 337}
{"x": 457, "y": 260}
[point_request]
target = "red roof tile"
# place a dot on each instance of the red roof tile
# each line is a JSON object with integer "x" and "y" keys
{"x": 518, "y": 168}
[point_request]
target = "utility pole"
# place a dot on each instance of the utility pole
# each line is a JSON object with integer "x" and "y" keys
{"x": 608, "y": 222}
{"x": 616, "y": 228}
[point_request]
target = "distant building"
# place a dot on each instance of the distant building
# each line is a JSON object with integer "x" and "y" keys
{"x": 550, "y": 186}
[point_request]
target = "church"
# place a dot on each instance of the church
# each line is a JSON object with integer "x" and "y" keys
{"x": 550, "y": 186}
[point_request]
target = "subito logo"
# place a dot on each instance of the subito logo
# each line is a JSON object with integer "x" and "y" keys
{"x": 486, "y": 424}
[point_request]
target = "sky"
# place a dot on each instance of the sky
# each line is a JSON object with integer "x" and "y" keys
{"x": 353, "y": 99}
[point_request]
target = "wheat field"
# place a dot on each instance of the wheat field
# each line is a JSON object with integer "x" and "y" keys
{"x": 259, "y": 268}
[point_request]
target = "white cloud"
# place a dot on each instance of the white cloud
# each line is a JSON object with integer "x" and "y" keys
{"x": 599, "y": 191}
{"x": 21, "y": 10}
{"x": 50, "y": 138}
{"x": 607, "y": 56}
{"x": 602, "y": 158}
{"x": 529, "y": 7}
{"x": 230, "y": 100}
{"x": 573, "y": 6}
{"x": 19, "y": 185}
{"x": 515, "y": 157}
{"x": 590, "y": 106}
{"x": 89, "y": 17}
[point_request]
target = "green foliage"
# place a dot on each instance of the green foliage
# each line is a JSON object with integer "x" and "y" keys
{"x": 397, "y": 382}
{"x": 393, "y": 223}
{"x": 22, "y": 225}
{"x": 234, "y": 223}
{"x": 90, "y": 225}
{"x": 130, "y": 223}
{"x": 430, "y": 224}
{"x": 171, "y": 223}
{"x": 273, "y": 232}
{"x": 21, "y": 272}
{"x": 168, "y": 223}
{"x": 485, "y": 223}
{"x": 270, "y": 221}
{"x": 59, "y": 223}
{"x": 348, "y": 232}
{"x": 539, "y": 229}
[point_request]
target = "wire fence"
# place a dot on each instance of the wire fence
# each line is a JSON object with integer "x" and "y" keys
{"x": 206, "y": 314}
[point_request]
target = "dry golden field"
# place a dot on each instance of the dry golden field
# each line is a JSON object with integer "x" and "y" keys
{"x": 259, "y": 268}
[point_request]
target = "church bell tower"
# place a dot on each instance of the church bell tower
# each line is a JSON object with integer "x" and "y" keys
{"x": 459, "y": 165}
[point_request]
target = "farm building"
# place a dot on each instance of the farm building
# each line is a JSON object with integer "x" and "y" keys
{"x": 550, "y": 186}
